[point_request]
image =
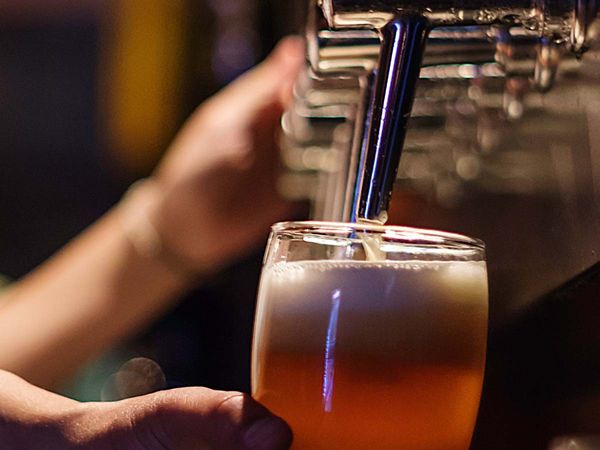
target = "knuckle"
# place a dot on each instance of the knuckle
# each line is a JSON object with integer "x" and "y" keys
{"x": 232, "y": 401}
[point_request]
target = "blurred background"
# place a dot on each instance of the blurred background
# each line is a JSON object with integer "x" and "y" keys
{"x": 92, "y": 92}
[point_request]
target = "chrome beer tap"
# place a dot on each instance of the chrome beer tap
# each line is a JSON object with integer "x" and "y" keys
{"x": 402, "y": 27}
{"x": 334, "y": 54}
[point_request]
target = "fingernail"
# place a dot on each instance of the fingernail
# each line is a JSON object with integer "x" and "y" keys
{"x": 267, "y": 434}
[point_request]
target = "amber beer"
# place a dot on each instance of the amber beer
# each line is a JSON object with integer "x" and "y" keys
{"x": 372, "y": 355}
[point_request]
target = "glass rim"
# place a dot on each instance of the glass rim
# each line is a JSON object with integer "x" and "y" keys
{"x": 408, "y": 235}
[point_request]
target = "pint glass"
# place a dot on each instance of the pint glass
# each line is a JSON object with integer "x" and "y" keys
{"x": 371, "y": 337}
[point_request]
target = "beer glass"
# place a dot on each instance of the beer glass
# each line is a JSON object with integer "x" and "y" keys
{"x": 371, "y": 337}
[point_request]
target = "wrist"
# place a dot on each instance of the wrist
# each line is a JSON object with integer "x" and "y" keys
{"x": 138, "y": 210}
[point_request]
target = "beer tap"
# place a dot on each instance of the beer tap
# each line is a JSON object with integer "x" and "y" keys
{"x": 339, "y": 54}
{"x": 402, "y": 27}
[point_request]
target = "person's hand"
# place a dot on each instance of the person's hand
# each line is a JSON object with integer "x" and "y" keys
{"x": 210, "y": 201}
{"x": 215, "y": 191}
{"x": 189, "y": 418}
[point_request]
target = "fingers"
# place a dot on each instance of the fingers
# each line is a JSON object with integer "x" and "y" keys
{"x": 198, "y": 418}
{"x": 269, "y": 82}
{"x": 285, "y": 63}
{"x": 278, "y": 70}
{"x": 292, "y": 51}
{"x": 223, "y": 121}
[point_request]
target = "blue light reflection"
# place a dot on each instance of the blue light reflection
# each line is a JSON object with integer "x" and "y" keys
{"x": 328, "y": 375}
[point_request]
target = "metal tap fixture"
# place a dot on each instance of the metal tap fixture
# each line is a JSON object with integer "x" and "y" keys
{"x": 402, "y": 27}
{"x": 340, "y": 55}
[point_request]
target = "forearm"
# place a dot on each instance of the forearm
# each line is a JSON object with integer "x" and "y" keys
{"x": 95, "y": 292}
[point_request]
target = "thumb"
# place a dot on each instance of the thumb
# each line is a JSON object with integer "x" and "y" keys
{"x": 203, "y": 419}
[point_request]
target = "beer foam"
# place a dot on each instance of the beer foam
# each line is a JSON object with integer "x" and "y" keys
{"x": 302, "y": 285}
{"x": 456, "y": 269}
{"x": 413, "y": 309}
